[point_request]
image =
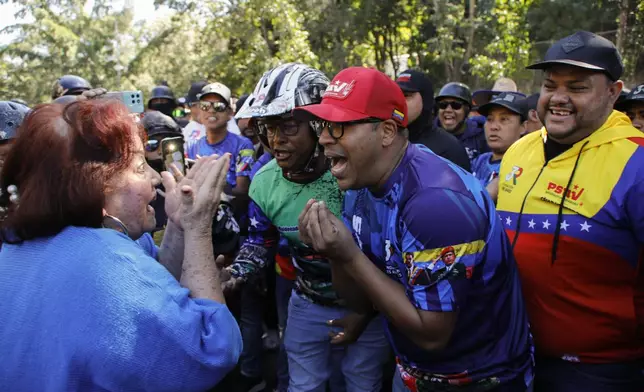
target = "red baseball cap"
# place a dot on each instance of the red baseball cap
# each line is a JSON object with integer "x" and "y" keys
{"x": 357, "y": 93}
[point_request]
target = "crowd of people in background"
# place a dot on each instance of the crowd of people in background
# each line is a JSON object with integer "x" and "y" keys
{"x": 369, "y": 233}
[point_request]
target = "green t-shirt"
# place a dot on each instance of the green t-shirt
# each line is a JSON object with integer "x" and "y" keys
{"x": 282, "y": 201}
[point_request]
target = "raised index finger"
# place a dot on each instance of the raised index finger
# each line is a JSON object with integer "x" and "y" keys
{"x": 176, "y": 172}
{"x": 314, "y": 229}
{"x": 328, "y": 222}
{"x": 216, "y": 178}
{"x": 301, "y": 220}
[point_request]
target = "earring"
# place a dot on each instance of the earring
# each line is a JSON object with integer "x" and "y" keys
{"x": 114, "y": 223}
{"x": 13, "y": 192}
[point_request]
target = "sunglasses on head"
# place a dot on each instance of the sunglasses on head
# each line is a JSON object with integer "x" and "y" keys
{"x": 455, "y": 105}
{"x": 336, "y": 130}
{"x": 217, "y": 106}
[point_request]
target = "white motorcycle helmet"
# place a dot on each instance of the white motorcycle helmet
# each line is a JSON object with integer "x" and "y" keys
{"x": 282, "y": 89}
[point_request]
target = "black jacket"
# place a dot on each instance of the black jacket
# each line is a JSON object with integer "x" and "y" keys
{"x": 444, "y": 144}
{"x": 423, "y": 131}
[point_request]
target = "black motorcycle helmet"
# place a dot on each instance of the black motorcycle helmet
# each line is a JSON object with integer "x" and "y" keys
{"x": 162, "y": 92}
{"x": 69, "y": 85}
{"x": 11, "y": 116}
{"x": 162, "y": 99}
{"x": 455, "y": 90}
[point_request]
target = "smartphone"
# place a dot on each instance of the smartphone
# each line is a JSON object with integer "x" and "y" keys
{"x": 172, "y": 150}
{"x": 132, "y": 99}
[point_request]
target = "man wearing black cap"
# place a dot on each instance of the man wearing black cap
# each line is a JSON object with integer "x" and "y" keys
{"x": 633, "y": 106}
{"x": 419, "y": 93}
{"x": 158, "y": 126}
{"x": 570, "y": 198}
{"x": 503, "y": 126}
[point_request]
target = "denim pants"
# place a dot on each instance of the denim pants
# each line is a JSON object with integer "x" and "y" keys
{"x": 556, "y": 375}
{"x": 283, "y": 289}
{"x": 250, "y": 325}
{"x": 312, "y": 358}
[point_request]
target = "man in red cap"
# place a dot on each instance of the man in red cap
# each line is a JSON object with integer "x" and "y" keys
{"x": 464, "y": 328}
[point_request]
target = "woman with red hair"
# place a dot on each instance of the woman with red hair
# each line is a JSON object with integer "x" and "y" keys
{"x": 85, "y": 307}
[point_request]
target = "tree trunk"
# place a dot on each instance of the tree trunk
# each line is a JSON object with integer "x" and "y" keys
{"x": 621, "y": 28}
{"x": 470, "y": 33}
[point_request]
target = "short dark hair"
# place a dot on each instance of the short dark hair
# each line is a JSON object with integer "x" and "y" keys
{"x": 61, "y": 163}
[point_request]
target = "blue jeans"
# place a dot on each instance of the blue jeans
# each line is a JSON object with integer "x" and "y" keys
{"x": 556, "y": 375}
{"x": 283, "y": 288}
{"x": 311, "y": 357}
{"x": 250, "y": 325}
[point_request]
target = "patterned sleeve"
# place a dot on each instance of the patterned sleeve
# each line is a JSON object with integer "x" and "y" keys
{"x": 442, "y": 247}
{"x": 258, "y": 250}
{"x": 245, "y": 158}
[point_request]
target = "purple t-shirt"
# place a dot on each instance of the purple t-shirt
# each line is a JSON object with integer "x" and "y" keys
{"x": 240, "y": 147}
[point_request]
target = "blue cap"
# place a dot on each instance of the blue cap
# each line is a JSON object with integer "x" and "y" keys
{"x": 509, "y": 100}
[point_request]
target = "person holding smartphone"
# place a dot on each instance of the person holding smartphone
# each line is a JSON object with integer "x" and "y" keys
{"x": 121, "y": 318}
{"x": 158, "y": 126}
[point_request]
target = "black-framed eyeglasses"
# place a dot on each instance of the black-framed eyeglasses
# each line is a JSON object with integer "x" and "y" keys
{"x": 455, "y": 105}
{"x": 219, "y": 107}
{"x": 270, "y": 128}
{"x": 336, "y": 130}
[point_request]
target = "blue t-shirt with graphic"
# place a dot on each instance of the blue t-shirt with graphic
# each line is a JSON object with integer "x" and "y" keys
{"x": 485, "y": 169}
{"x": 240, "y": 147}
{"x": 434, "y": 229}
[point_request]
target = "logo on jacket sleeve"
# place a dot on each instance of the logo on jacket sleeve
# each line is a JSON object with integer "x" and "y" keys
{"x": 514, "y": 174}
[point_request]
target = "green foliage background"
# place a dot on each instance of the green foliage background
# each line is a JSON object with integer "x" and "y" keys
{"x": 235, "y": 41}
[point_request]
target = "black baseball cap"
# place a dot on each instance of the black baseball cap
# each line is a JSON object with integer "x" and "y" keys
{"x": 584, "y": 50}
{"x": 412, "y": 81}
{"x": 636, "y": 94}
{"x": 509, "y": 100}
{"x": 195, "y": 89}
{"x": 530, "y": 103}
{"x": 157, "y": 123}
